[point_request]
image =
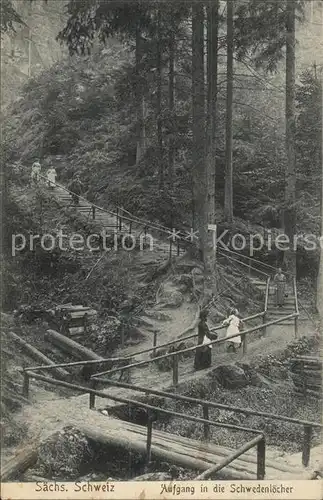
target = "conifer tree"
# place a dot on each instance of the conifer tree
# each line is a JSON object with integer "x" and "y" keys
{"x": 199, "y": 165}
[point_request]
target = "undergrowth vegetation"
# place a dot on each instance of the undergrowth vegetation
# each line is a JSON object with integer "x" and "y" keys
{"x": 274, "y": 395}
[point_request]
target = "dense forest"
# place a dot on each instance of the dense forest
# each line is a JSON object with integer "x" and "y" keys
{"x": 185, "y": 113}
{"x": 197, "y": 118}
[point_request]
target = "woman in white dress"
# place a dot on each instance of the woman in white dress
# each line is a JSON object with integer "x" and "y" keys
{"x": 234, "y": 324}
{"x": 51, "y": 177}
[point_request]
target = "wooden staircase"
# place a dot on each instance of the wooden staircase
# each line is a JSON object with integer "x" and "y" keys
{"x": 110, "y": 221}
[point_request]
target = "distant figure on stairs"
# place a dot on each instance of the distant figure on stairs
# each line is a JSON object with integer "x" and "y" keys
{"x": 234, "y": 324}
{"x": 203, "y": 356}
{"x": 35, "y": 172}
{"x": 280, "y": 282}
{"x": 51, "y": 177}
{"x": 76, "y": 188}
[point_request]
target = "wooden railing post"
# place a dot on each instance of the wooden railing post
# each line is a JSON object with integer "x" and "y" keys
{"x": 86, "y": 322}
{"x": 122, "y": 335}
{"x": 155, "y": 342}
{"x": 206, "y": 426}
{"x": 244, "y": 345}
{"x": 117, "y": 219}
{"x": 149, "y": 436}
{"x": 175, "y": 370}
{"x": 93, "y": 385}
{"x": 296, "y": 307}
{"x": 131, "y": 361}
{"x": 130, "y": 227}
{"x": 93, "y": 212}
{"x": 25, "y": 387}
{"x": 261, "y": 459}
{"x": 307, "y": 445}
{"x": 120, "y": 223}
{"x": 296, "y": 326}
{"x": 264, "y": 330}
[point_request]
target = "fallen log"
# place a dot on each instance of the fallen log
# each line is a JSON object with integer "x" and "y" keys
{"x": 165, "y": 451}
{"x": 70, "y": 346}
{"x": 39, "y": 356}
{"x": 180, "y": 451}
{"x": 18, "y": 464}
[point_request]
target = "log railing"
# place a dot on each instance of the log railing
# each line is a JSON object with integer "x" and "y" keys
{"x": 240, "y": 262}
{"x": 296, "y": 306}
{"x": 120, "y": 218}
{"x": 258, "y": 441}
{"x": 205, "y": 405}
{"x": 154, "y": 347}
{"x": 308, "y": 426}
{"x": 176, "y": 354}
{"x": 266, "y": 303}
{"x": 152, "y": 415}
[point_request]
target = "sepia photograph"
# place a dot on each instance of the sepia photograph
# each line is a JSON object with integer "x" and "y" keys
{"x": 161, "y": 249}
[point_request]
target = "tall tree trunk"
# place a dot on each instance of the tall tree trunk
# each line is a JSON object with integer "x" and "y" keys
{"x": 159, "y": 103}
{"x": 140, "y": 102}
{"x": 228, "y": 187}
{"x": 171, "y": 105}
{"x": 319, "y": 294}
{"x": 290, "y": 174}
{"x": 198, "y": 111}
{"x": 212, "y": 76}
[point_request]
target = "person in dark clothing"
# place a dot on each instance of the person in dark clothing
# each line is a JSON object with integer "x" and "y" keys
{"x": 203, "y": 355}
{"x": 76, "y": 187}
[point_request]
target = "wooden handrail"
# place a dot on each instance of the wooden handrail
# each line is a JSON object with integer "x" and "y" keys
{"x": 146, "y": 406}
{"x": 267, "y": 293}
{"x": 143, "y": 351}
{"x": 295, "y": 293}
{"x": 209, "y": 404}
{"x": 133, "y": 219}
{"x": 308, "y": 426}
{"x": 220, "y": 251}
{"x": 194, "y": 348}
{"x": 76, "y": 363}
{"x": 188, "y": 337}
{"x": 254, "y": 260}
{"x": 240, "y": 451}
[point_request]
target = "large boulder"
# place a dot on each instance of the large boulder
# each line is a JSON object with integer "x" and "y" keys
{"x": 252, "y": 374}
{"x": 230, "y": 376}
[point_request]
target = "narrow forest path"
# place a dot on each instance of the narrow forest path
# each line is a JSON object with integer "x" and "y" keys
{"x": 47, "y": 415}
{"x": 171, "y": 321}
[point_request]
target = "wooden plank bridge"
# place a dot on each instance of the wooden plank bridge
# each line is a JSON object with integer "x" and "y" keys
{"x": 47, "y": 417}
{"x": 204, "y": 455}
